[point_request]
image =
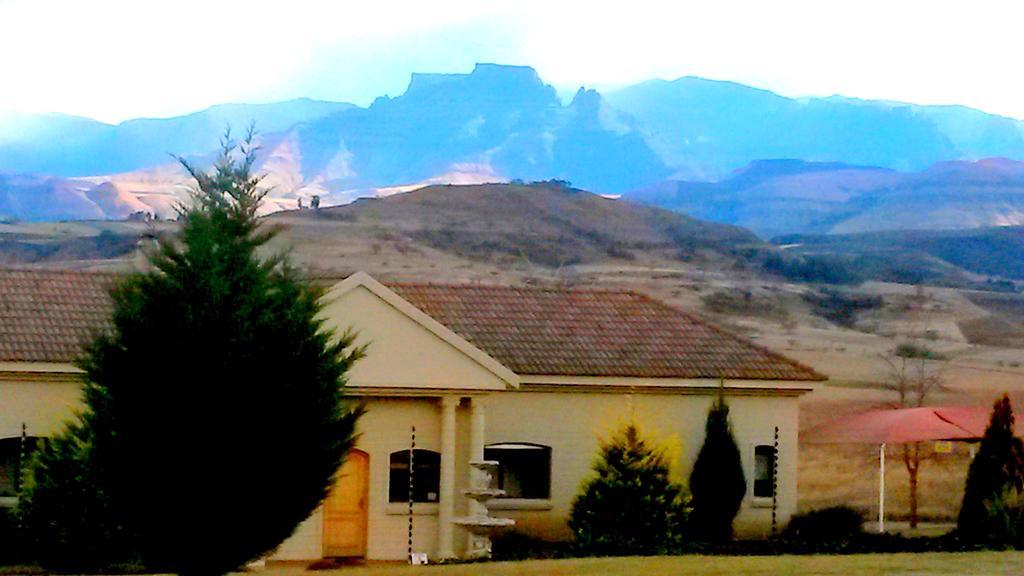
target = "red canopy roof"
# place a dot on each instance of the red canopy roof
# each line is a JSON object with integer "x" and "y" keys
{"x": 897, "y": 426}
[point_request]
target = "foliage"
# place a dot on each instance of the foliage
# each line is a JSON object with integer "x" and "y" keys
{"x": 992, "y": 507}
{"x": 515, "y": 546}
{"x": 214, "y": 418}
{"x": 743, "y": 302}
{"x": 631, "y": 506}
{"x": 912, "y": 350}
{"x": 812, "y": 269}
{"x": 11, "y": 547}
{"x": 833, "y": 524}
{"x": 840, "y": 307}
{"x": 717, "y": 482}
{"x": 67, "y": 522}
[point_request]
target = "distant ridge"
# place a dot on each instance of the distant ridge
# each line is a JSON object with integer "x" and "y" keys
{"x": 775, "y": 197}
{"x": 504, "y": 123}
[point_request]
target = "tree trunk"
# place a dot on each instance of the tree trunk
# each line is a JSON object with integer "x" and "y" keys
{"x": 912, "y": 460}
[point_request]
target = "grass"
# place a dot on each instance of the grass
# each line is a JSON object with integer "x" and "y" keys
{"x": 989, "y": 563}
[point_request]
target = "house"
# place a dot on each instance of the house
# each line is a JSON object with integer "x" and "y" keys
{"x": 529, "y": 377}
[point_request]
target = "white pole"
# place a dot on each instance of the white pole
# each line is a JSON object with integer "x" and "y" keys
{"x": 881, "y": 489}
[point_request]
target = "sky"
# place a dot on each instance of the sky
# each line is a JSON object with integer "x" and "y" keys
{"x": 114, "y": 60}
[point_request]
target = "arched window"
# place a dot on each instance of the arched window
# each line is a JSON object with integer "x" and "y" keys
{"x": 14, "y": 452}
{"x": 426, "y": 477}
{"x": 524, "y": 470}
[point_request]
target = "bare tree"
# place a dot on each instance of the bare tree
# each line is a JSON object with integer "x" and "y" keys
{"x": 914, "y": 374}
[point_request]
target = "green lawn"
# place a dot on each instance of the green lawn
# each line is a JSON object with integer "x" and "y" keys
{"x": 987, "y": 563}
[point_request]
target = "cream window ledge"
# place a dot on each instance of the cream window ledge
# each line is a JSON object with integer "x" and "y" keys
{"x": 761, "y": 502}
{"x": 519, "y": 504}
{"x": 418, "y": 509}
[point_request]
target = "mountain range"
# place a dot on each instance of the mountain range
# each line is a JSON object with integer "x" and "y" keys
{"x": 691, "y": 144}
{"x": 773, "y": 197}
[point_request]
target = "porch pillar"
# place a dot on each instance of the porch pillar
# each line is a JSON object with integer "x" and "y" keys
{"x": 477, "y": 433}
{"x": 446, "y": 507}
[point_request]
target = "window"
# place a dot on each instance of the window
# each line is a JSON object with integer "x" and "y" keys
{"x": 12, "y": 461}
{"x": 524, "y": 470}
{"x": 426, "y": 477}
{"x": 764, "y": 471}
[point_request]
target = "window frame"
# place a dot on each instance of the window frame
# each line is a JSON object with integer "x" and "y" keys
{"x": 533, "y": 501}
{"x": 418, "y": 455}
{"x": 773, "y": 465}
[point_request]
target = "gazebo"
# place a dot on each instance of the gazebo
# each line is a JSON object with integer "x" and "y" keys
{"x": 901, "y": 426}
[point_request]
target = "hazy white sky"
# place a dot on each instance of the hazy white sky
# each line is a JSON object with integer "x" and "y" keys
{"x": 114, "y": 60}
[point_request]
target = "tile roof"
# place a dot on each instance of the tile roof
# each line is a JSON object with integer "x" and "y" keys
{"x": 47, "y": 315}
{"x": 570, "y": 332}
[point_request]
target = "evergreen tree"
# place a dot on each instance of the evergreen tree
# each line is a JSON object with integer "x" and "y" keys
{"x": 214, "y": 408}
{"x": 631, "y": 506}
{"x": 995, "y": 481}
{"x": 717, "y": 482}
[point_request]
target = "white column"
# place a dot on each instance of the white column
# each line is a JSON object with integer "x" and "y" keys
{"x": 476, "y": 443}
{"x": 446, "y": 507}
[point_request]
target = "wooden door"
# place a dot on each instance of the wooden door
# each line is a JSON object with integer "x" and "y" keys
{"x": 345, "y": 509}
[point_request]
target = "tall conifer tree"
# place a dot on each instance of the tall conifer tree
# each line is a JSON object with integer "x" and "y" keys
{"x": 717, "y": 482}
{"x": 995, "y": 481}
{"x": 214, "y": 409}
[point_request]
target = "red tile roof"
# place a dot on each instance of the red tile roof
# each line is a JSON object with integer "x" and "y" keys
{"x": 47, "y": 315}
{"x": 565, "y": 332}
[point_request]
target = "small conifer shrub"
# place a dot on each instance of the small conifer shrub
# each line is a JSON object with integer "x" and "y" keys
{"x": 630, "y": 506}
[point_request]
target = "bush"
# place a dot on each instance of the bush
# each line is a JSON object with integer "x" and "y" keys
{"x": 910, "y": 350}
{"x": 515, "y": 546}
{"x": 834, "y": 524}
{"x": 631, "y": 506}
{"x": 992, "y": 508}
{"x": 840, "y": 307}
{"x": 717, "y": 482}
{"x": 812, "y": 269}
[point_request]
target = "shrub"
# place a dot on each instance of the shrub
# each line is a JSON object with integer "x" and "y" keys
{"x": 631, "y": 506}
{"x": 992, "y": 507}
{"x": 717, "y": 482}
{"x": 910, "y": 350}
{"x": 834, "y": 524}
{"x": 840, "y": 307}
{"x": 812, "y": 269}
{"x": 514, "y": 546}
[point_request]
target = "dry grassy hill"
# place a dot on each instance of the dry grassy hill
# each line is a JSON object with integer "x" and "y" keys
{"x": 546, "y": 225}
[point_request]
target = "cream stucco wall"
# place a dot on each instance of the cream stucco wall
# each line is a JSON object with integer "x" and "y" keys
{"x": 571, "y": 424}
{"x": 403, "y": 353}
{"x": 39, "y": 401}
{"x": 384, "y": 429}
